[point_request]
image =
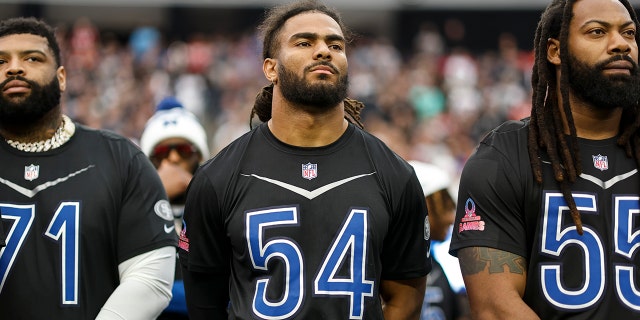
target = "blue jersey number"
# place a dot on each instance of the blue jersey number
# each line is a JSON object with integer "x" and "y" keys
{"x": 62, "y": 228}
{"x": 555, "y": 239}
{"x": 350, "y": 242}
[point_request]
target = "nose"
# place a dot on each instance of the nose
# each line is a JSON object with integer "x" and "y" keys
{"x": 174, "y": 156}
{"x": 322, "y": 51}
{"x": 620, "y": 44}
{"x": 14, "y": 68}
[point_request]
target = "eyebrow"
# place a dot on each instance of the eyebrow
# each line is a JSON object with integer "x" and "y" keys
{"x": 315, "y": 36}
{"x": 607, "y": 24}
{"x": 25, "y": 52}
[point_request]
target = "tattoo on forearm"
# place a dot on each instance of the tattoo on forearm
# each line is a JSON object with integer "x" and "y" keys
{"x": 476, "y": 259}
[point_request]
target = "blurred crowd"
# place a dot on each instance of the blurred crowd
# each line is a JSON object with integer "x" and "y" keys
{"x": 431, "y": 104}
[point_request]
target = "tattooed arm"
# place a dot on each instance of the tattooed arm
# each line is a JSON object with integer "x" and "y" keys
{"x": 495, "y": 282}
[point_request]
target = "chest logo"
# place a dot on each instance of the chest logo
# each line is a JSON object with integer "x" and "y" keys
{"x": 600, "y": 162}
{"x": 31, "y": 172}
{"x": 309, "y": 170}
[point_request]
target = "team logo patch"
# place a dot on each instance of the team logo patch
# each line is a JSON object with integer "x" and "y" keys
{"x": 600, "y": 162}
{"x": 470, "y": 221}
{"x": 31, "y": 172}
{"x": 309, "y": 171}
{"x": 162, "y": 208}
{"x": 183, "y": 241}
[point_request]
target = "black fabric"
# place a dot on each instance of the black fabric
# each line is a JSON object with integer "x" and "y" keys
{"x": 3, "y": 236}
{"x": 212, "y": 299}
{"x": 97, "y": 189}
{"x": 255, "y": 201}
{"x": 440, "y": 301}
{"x": 569, "y": 276}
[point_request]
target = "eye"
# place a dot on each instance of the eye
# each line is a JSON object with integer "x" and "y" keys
{"x": 336, "y": 47}
{"x": 33, "y": 59}
{"x": 597, "y": 31}
{"x": 630, "y": 33}
{"x": 303, "y": 44}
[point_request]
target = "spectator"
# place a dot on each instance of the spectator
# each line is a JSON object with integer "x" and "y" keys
{"x": 176, "y": 144}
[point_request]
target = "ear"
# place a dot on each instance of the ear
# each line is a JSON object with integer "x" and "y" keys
{"x": 553, "y": 51}
{"x": 270, "y": 69}
{"x": 61, "y": 74}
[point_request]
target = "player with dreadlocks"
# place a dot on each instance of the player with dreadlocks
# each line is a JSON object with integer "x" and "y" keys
{"x": 307, "y": 216}
{"x": 546, "y": 225}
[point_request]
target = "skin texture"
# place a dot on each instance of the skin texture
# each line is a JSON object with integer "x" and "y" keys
{"x": 305, "y": 40}
{"x": 29, "y": 56}
{"x": 600, "y": 29}
{"x": 175, "y": 171}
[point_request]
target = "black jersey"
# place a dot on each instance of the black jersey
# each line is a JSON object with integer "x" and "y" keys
{"x": 440, "y": 301}
{"x": 71, "y": 215}
{"x": 306, "y": 233}
{"x": 593, "y": 276}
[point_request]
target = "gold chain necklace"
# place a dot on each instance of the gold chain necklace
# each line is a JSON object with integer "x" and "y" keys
{"x": 62, "y": 135}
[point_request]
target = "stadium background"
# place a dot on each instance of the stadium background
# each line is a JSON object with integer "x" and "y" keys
{"x": 435, "y": 74}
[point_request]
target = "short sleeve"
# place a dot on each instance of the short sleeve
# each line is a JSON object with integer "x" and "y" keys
{"x": 490, "y": 209}
{"x": 204, "y": 246}
{"x": 406, "y": 247}
{"x": 145, "y": 222}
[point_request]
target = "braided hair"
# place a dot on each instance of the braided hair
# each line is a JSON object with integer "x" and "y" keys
{"x": 274, "y": 20}
{"x": 546, "y": 126}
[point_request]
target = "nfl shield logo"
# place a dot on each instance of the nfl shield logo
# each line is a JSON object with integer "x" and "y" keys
{"x": 31, "y": 172}
{"x": 309, "y": 170}
{"x": 600, "y": 162}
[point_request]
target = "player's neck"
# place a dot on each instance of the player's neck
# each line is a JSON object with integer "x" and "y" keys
{"x": 295, "y": 126}
{"x": 40, "y": 129}
{"x": 593, "y": 123}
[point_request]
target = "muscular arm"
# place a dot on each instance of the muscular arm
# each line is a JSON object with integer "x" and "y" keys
{"x": 402, "y": 299}
{"x": 495, "y": 281}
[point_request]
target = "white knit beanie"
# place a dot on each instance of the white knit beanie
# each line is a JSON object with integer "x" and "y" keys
{"x": 431, "y": 177}
{"x": 172, "y": 120}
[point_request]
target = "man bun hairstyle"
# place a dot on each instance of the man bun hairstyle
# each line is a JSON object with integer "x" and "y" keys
{"x": 274, "y": 20}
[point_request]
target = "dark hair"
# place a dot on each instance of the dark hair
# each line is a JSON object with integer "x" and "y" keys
{"x": 33, "y": 26}
{"x": 277, "y": 16}
{"x": 546, "y": 129}
{"x": 270, "y": 27}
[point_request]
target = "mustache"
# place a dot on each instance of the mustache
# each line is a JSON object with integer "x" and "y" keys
{"x": 627, "y": 58}
{"x": 322, "y": 63}
{"x": 32, "y": 83}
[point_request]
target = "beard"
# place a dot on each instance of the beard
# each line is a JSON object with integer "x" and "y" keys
{"x": 604, "y": 92}
{"x": 26, "y": 110}
{"x": 316, "y": 95}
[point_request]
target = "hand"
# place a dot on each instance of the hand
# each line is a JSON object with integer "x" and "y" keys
{"x": 175, "y": 179}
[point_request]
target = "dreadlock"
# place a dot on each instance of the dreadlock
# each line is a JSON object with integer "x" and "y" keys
{"x": 546, "y": 129}
{"x": 274, "y": 21}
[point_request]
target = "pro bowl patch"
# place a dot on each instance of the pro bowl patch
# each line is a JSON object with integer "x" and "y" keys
{"x": 471, "y": 220}
{"x": 163, "y": 210}
{"x": 183, "y": 241}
